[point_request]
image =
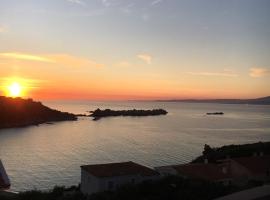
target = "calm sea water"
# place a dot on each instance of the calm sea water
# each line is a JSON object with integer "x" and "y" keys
{"x": 51, "y": 154}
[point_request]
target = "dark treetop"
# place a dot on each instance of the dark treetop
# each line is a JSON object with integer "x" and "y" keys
{"x": 233, "y": 151}
{"x": 18, "y": 112}
{"x": 97, "y": 114}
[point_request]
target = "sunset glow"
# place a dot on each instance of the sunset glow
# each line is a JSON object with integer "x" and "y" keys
{"x": 142, "y": 50}
{"x": 15, "y": 90}
{"x": 17, "y": 87}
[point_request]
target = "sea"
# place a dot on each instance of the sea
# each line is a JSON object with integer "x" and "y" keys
{"x": 40, "y": 157}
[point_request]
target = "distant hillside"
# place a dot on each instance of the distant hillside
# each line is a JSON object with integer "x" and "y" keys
{"x": 233, "y": 151}
{"x": 257, "y": 101}
{"x": 17, "y": 112}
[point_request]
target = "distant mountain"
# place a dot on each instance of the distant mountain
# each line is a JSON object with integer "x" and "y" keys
{"x": 18, "y": 112}
{"x": 258, "y": 101}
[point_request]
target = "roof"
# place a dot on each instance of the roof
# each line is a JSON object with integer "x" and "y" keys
{"x": 250, "y": 194}
{"x": 211, "y": 172}
{"x": 4, "y": 182}
{"x": 256, "y": 165}
{"x": 119, "y": 169}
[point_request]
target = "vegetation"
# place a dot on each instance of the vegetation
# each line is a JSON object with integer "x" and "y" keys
{"x": 232, "y": 151}
{"x": 168, "y": 188}
{"x": 165, "y": 189}
{"x": 57, "y": 193}
{"x": 17, "y": 112}
{"x": 97, "y": 114}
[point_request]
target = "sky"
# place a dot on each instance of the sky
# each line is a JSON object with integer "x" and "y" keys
{"x": 135, "y": 49}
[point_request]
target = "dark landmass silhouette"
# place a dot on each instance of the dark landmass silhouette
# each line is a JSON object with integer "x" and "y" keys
{"x": 97, "y": 114}
{"x": 257, "y": 101}
{"x": 18, "y": 112}
{"x": 213, "y": 155}
{"x": 215, "y": 113}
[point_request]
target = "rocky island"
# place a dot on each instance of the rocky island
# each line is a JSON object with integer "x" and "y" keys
{"x": 98, "y": 113}
{"x": 18, "y": 112}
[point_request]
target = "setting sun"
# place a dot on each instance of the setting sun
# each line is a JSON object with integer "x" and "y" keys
{"x": 15, "y": 90}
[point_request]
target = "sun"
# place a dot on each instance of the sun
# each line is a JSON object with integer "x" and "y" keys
{"x": 15, "y": 90}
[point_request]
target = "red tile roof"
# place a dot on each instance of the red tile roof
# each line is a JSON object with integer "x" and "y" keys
{"x": 211, "y": 172}
{"x": 119, "y": 169}
{"x": 256, "y": 165}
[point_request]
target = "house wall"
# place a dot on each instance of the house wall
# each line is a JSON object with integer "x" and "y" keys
{"x": 240, "y": 174}
{"x": 166, "y": 171}
{"x": 91, "y": 184}
{"x": 111, "y": 183}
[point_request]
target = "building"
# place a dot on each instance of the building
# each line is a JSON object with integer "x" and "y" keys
{"x": 218, "y": 173}
{"x": 4, "y": 180}
{"x": 244, "y": 169}
{"x": 106, "y": 177}
{"x": 236, "y": 171}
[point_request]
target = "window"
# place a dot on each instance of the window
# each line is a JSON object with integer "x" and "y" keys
{"x": 110, "y": 185}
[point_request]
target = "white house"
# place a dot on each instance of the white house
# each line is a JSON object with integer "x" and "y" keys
{"x": 4, "y": 180}
{"x": 103, "y": 177}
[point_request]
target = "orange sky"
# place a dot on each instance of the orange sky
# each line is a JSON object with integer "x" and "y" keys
{"x": 145, "y": 50}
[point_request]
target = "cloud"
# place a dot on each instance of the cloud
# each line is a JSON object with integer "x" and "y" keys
{"x": 123, "y": 64}
{"x": 74, "y": 61}
{"x": 77, "y": 2}
{"x": 146, "y": 58}
{"x": 156, "y": 2}
{"x": 61, "y": 59}
{"x": 225, "y": 73}
{"x": 259, "y": 72}
{"x": 21, "y": 56}
{"x": 106, "y": 2}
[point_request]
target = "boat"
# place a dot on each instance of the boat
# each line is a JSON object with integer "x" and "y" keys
{"x": 215, "y": 113}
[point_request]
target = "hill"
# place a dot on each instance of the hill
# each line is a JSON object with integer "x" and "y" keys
{"x": 18, "y": 112}
{"x": 257, "y": 101}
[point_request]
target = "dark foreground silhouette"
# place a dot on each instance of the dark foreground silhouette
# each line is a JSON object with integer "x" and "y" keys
{"x": 97, "y": 114}
{"x": 18, "y": 112}
{"x": 168, "y": 188}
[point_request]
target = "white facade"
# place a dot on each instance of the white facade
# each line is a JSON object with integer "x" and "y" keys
{"x": 91, "y": 184}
